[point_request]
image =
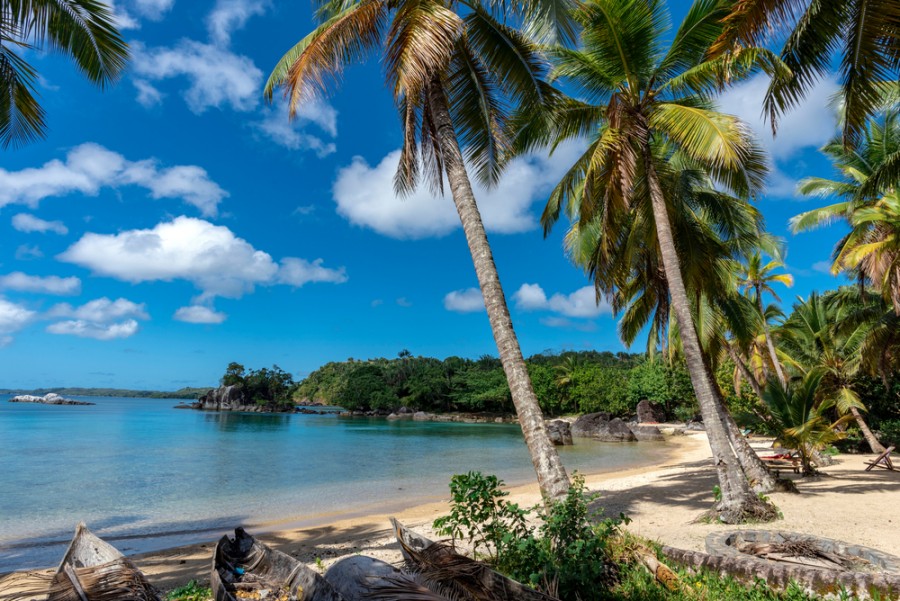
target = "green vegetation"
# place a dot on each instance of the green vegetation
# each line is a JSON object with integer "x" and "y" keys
{"x": 181, "y": 393}
{"x": 571, "y": 552}
{"x": 571, "y": 382}
{"x": 261, "y": 386}
{"x": 192, "y": 591}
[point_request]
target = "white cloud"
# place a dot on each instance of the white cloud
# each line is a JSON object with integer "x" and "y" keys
{"x": 276, "y": 126}
{"x": 217, "y": 77}
{"x": 29, "y": 223}
{"x": 101, "y": 319}
{"x": 13, "y": 317}
{"x": 464, "y": 301}
{"x": 296, "y": 272}
{"x": 101, "y": 310}
{"x": 580, "y": 304}
{"x": 231, "y": 15}
{"x": 822, "y": 267}
{"x": 153, "y": 9}
{"x": 365, "y": 196}
{"x": 85, "y": 329}
{"x": 44, "y": 285}
{"x": 810, "y": 125}
{"x": 121, "y": 17}
{"x": 90, "y": 167}
{"x": 209, "y": 256}
{"x": 199, "y": 314}
{"x": 25, "y": 252}
{"x": 148, "y": 96}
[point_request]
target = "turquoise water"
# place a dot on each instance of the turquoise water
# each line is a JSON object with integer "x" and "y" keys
{"x": 147, "y": 476}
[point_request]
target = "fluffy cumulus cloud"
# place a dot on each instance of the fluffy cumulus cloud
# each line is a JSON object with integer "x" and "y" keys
{"x": 148, "y": 96}
{"x": 13, "y": 317}
{"x": 126, "y": 12}
{"x": 365, "y": 196}
{"x": 90, "y": 167}
{"x": 464, "y": 301}
{"x": 101, "y": 319}
{"x": 210, "y": 256}
{"x": 50, "y": 284}
{"x": 29, "y": 223}
{"x": 810, "y": 125}
{"x": 579, "y": 304}
{"x": 294, "y": 135}
{"x": 231, "y": 15}
{"x": 216, "y": 76}
{"x": 199, "y": 314}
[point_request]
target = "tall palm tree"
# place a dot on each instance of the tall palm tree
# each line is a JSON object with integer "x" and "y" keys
{"x": 454, "y": 69}
{"x": 757, "y": 278}
{"x": 813, "y": 338}
{"x": 83, "y": 29}
{"x": 864, "y": 33}
{"x": 872, "y": 247}
{"x": 644, "y": 105}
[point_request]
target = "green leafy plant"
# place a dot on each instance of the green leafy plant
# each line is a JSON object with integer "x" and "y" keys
{"x": 192, "y": 591}
{"x": 564, "y": 555}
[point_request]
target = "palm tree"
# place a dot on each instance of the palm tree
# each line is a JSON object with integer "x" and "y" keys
{"x": 865, "y": 34}
{"x": 454, "y": 69}
{"x": 872, "y": 247}
{"x": 83, "y": 29}
{"x": 802, "y": 418}
{"x": 646, "y": 107}
{"x": 756, "y": 278}
{"x": 813, "y": 339}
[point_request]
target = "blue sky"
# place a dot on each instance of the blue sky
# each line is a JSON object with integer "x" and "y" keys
{"x": 176, "y": 222}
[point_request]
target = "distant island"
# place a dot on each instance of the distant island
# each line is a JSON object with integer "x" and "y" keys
{"x": 48, "y": 399}
{"x": 182, "y": 393}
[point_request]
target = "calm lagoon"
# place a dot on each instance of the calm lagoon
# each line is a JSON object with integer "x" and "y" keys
{"x": 147, "y": 476}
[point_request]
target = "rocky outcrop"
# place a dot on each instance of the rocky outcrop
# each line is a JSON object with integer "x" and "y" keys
{"x": 48, "y": 399}
{"x": 646, "y": 432}
{"x": 600, "y": 427}
{"x": 650, "y": 413}
{"x": 560, "y": 432}
{"x": 231, "y": 398}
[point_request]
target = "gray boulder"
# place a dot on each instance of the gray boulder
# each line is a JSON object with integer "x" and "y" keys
{"x": 223, "y": 398}
{"x": 355, "y": 577}
{"x": 421, "y": 416}
{"x": 587, "y": 423}
{"x": 646, "y": 432}
{"x": 560, "y": 432}
{"x": 650, "y": 413}
{"x": 600, "y": 427}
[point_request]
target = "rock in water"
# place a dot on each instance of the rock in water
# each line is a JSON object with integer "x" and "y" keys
{"x": 587, "y": 423}
{"x": 646, "y": 432}
{"x": 650, "y": 413}
{"x": 560, "y": 432}
{"x": 48, "y": 399}
{"x": 599, "y": 426}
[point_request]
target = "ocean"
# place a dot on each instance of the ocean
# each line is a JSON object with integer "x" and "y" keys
{"x": 146, "y": 476}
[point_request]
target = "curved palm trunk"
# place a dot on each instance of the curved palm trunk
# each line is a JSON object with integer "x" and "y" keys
{"x": 738, "y": 501}
{"x": 876, "y": 446}
{"x": 746, "y": 373}
{"x": 769, "y": 344}
{"x": 551, "y": 475}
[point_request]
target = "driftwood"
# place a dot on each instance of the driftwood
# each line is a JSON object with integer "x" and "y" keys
{"x": 816, "y": 580}
{"x": 458, "y": 576}
{"x": 243, "y": 567}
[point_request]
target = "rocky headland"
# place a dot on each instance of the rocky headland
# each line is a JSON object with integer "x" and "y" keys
{"x": 48, "y": 399}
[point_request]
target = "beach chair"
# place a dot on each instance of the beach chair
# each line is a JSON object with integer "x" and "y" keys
{"x": 883, "y": 461}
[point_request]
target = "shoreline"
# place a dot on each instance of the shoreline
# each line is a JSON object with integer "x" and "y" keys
{"x": 662, "y": 500}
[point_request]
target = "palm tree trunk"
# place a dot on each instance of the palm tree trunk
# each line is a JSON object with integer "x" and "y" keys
{"x": 738, "y": 502}
{"x": 745, "y": 371}
{"x": 876, "y": 446}
{"x": 551, "y": 475}
{"x": 771, "y": 346}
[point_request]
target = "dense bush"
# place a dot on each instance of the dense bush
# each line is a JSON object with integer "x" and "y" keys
{"x": 565, "y": 554}
{"x": 261, "y": 386}
{"x": 570, "y": 382}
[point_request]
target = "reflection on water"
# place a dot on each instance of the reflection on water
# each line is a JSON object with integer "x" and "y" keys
{"x": 248, "y": 422}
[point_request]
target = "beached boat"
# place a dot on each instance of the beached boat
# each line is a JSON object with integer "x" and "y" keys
{"x": 245, "y": 569}
{"x": 94, "y": 570}
{"x": 458, "y": 576}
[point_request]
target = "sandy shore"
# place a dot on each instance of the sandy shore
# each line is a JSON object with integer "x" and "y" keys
{"x": 846, "y": 503}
